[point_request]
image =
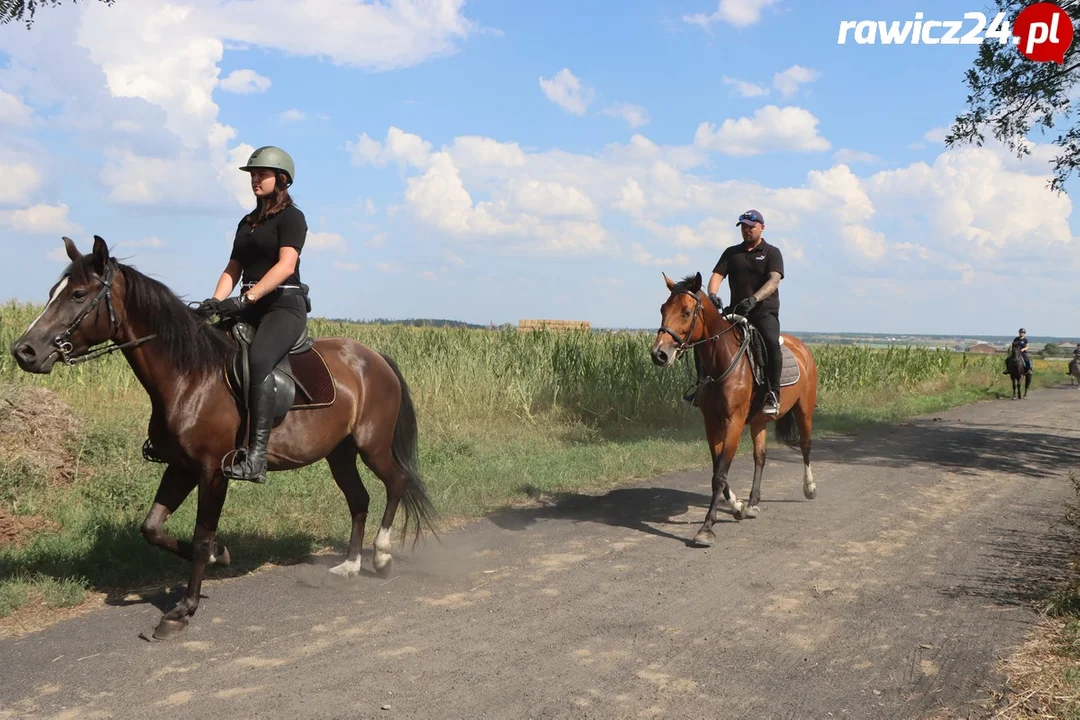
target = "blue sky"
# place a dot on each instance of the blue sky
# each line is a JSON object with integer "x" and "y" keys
{"x": 489, "y": 161}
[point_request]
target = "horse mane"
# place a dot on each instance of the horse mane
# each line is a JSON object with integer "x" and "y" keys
{"x": 690, "y": 283}
{"x": 192, "y": 344}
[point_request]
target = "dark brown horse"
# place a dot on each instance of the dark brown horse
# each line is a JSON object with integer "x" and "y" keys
{"x": 727, "y": 397}
{"x": 195, "y": 419}
{"x": 1017, "y": 369}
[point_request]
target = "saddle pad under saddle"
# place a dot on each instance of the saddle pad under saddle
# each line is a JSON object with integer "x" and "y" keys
{"x": 789, "y": 375}
{"x": 314, "y": 386}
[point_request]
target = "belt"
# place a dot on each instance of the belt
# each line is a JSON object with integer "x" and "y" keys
{"x": 281, "y": 289}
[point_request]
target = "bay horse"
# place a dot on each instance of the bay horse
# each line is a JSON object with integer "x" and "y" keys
{"x": 727, "y": 398}
{"x": 1016, "y": 369}
{"x": 1074, "y": 371}
{"x": 195, "y": 420}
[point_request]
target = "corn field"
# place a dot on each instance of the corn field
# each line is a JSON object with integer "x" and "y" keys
{"x": 463, "y": 375}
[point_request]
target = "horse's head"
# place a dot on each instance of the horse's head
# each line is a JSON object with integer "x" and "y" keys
{"x": 78, "y": 315}
{"x": 682, "y": 320}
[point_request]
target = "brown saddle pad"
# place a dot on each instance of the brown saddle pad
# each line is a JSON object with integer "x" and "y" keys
{"x": 314, "y": 385}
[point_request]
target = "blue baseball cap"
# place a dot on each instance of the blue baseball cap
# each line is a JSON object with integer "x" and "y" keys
{"x": 750, "y": 217}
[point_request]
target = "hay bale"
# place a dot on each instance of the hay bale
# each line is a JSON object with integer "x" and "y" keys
{"x": 38, "y": 430}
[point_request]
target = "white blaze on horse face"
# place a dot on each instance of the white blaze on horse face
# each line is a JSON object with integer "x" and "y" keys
{"x": 52, "y": 298}
{"x": 382, "y": 548}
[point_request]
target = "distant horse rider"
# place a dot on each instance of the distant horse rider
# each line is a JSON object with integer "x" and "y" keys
{"x": 754, "y": 269}
{"x": 1020, "y": 343}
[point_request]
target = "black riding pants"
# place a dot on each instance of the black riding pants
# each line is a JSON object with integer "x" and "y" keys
{"x": 280, "y": 320}
{"x": 768, "y": 324}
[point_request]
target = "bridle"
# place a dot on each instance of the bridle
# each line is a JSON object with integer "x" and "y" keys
{"x": 685, "y": 344}
{"x": 62, "y": 341}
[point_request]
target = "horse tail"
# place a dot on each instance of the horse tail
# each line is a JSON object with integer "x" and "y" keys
{"x": 787, "y": 430}
{"x": 418, "y": 506}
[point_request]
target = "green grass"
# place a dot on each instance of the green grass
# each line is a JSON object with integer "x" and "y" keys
{"x": 503, "y": 416}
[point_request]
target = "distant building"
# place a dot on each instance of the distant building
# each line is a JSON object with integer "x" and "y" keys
{"x": 981, "y": 347}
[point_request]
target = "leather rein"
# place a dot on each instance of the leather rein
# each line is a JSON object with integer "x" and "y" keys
{"x": 685, "y": 344}
{"x": 62, "y": 342}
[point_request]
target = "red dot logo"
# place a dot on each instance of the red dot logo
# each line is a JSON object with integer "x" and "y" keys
{"x": 1043, "y": 32}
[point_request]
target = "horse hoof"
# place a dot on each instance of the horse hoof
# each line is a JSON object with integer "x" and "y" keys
{"x": 346, "y": 569}
{"x": 705, "y": 538}
{"x": 385, "y": 570}
{"x": 222, "y": 559}
{"x": 810, "y": 491}
{"x": 167, "y": 629}
{"x": 751, "y": 511}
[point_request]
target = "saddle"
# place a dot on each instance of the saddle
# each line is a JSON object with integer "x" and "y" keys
{"x": 302, "y": 379}
{"x": 758, "y": 356}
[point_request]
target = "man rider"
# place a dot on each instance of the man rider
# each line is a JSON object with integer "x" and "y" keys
{"x": 754, "y": 269}
{"x": 1021, "y": 341}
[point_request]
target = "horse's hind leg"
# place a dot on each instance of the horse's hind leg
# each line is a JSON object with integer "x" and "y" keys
{"x": 381, "y": 462}
{"x": 757, "y": 434}
{"x": 175, "y": 486}
{"x": 342, "y": 461}
{"x": 805, "y": 420}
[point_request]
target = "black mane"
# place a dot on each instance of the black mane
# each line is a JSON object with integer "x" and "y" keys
{"x": 192, "y": 344}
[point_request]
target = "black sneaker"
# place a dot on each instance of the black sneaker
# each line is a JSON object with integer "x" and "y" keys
{"x": 772, "y": 405}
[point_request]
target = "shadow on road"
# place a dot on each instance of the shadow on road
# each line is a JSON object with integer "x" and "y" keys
{"x": 1001, "y": 447}
{"x": 637, "y": 509}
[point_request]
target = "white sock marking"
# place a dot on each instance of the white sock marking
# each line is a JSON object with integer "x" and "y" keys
{"x": 382, "y": 547}
{"x": 347, "y": 568}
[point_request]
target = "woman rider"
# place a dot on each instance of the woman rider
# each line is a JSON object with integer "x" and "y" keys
{"x": 266, "y": 256}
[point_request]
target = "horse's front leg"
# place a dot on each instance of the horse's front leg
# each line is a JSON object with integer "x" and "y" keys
{"x": 211, "y": 500}
{"x": 176, "y": 484}
{"x": 724, "y": 438}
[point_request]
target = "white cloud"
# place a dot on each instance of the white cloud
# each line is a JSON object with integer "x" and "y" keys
{"x": 847, "y": 156}
{"x": 746, "y": 89}
{"x": 864, "y": 242}
{"x": 349, "y": 266}
{"x": 20, "y": 181}
{"x": 771, "y": 129}
{"x": 39, "y": 219}
{"x": 13, "y": 111}
{"x": 634, "y": 115}
{"x": 326, "y": 241}
{"x": 739, "y": 13}
{"x": 788, "y": 81}
{"x": 641, "y": 256}
{"x": 566, "y": 91}
{"x": 369, "y": 207}
{"x": 388, "y": 267}
{"x": 427, "y": 275}
{"x": 453, "y": 259}
{"x": 936, "y": 135}
{"x": 58, "y": 255}
{"x": 292, "y": 115}
{"x": 148, "y": 242}
{"x": 245, "y": 82}
{"x": 400, "y": 147}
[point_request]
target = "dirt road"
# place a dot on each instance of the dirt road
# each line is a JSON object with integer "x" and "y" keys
{"x": 889, "y": 596}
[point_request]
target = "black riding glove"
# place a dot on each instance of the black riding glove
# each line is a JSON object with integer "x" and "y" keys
{"x": 232, "y": 306}
{"x": 745, "y": 306}
{"x": 716, "y": 300}
{"x": 208, "y": 307}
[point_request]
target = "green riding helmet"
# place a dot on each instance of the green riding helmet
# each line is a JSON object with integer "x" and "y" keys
{"x": 273, "y": 158}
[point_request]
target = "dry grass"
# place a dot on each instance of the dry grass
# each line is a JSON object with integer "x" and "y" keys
{"x": 38, "y": 430}
{"x": 1042, "y": 676}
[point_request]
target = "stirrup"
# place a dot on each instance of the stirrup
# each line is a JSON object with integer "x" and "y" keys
{"x": 150, "y": 454}
{"x": 235, "y": 464}
{"x": 771, "y": 408}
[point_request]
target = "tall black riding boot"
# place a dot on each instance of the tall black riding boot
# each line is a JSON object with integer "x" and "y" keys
{"x": 261, "y": 411}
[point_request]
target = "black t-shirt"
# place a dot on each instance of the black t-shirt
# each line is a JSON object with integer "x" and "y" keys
{"x": 257, "y": 250}
{"x": 1022, "y": 342}
{"x": 747, "y": 270}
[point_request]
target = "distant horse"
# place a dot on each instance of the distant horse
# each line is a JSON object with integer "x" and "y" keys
{"x": 1017, "y": 368}
{"x": 727, "y": 396}
{"x": 1074, "y": 371}
{"x": 196, "y": 418}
